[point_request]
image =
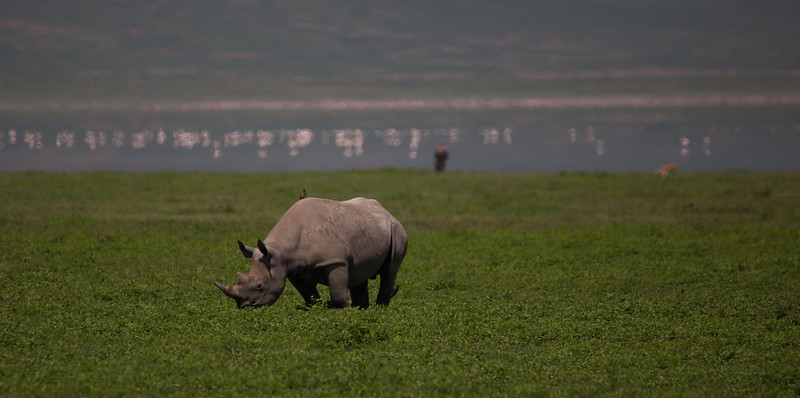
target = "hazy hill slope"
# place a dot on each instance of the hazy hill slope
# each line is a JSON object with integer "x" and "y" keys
{"x": 97, "y": 40}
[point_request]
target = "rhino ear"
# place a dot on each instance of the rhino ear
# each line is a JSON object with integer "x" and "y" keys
{"x": 242, "y": 278}
{"x": 265, "y": 259}
{"x": 263, "y": 248}
{"x": 247, "y": 251}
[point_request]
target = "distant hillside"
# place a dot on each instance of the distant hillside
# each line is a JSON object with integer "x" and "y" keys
{"x": 147, "y": 42}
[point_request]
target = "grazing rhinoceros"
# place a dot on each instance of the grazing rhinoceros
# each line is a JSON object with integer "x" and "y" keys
{"x": 338, "y": 244}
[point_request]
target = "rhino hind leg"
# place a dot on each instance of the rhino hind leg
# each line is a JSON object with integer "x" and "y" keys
{"x": 387, "y": 289}
{"x": 359, "y": 295}
{"x": 388, "y": 275}
{"x": 391, "y": 265}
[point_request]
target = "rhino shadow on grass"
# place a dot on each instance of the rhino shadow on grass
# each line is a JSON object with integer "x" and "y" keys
{"x": 319, "y": 241}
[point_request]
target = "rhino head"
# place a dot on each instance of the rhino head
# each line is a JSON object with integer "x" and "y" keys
{"x": 263, "y": 284}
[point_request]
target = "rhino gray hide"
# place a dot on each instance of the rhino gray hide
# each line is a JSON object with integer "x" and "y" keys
{"x": 338, "y": 244}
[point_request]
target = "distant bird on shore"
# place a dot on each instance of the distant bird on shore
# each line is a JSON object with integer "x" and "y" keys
{"x": 303, "y": 194}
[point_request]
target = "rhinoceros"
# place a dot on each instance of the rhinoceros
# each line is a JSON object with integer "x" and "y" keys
{"x": 338, "y": 244}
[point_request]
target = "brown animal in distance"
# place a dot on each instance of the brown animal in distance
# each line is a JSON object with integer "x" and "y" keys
{"x": 441, "y": 155}
{"x": 667, "y": 170}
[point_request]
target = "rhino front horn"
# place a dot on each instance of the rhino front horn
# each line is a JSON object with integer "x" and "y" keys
{"x": 225, "y": 289}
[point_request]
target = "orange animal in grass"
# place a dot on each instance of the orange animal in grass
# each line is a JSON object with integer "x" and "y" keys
{"x": 667, "y": 170}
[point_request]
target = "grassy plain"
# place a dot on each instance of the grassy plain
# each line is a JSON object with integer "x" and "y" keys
{"x": 514, "y": 284}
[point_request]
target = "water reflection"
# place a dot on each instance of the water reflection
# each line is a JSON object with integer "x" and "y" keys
{"x": 685, "y": 147}
{"x": 93, "y": 140}
{"x": 65, "y": 138}
{"x": 33, "y": 140}
{"x": 594, "y": 145}
{"x": 600, "y": 147}
{"x": 296, "y": 139}
{"x": 351, "y": 141}
{"x": 265, "y": 139}
{"x": 590, "y": 137}
{"x": 119, "y": 139}
{"x": 413, "y": 145}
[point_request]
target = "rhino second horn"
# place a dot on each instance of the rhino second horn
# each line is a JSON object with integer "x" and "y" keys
{"x": 225, "y": 289}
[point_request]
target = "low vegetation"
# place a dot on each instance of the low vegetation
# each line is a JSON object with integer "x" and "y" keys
{"x": 514, "y": 284}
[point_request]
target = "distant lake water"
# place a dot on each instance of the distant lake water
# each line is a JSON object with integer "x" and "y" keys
{"x": 516, "y": 139}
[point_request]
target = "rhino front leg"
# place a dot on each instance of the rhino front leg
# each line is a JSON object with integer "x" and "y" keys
{"x": 308, "y": 289}
{"x": 359, "y": 295}
{"x": 337, "y": 282}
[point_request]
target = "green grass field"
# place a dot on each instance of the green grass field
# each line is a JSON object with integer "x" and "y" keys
{"x": 514, "y": 285}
